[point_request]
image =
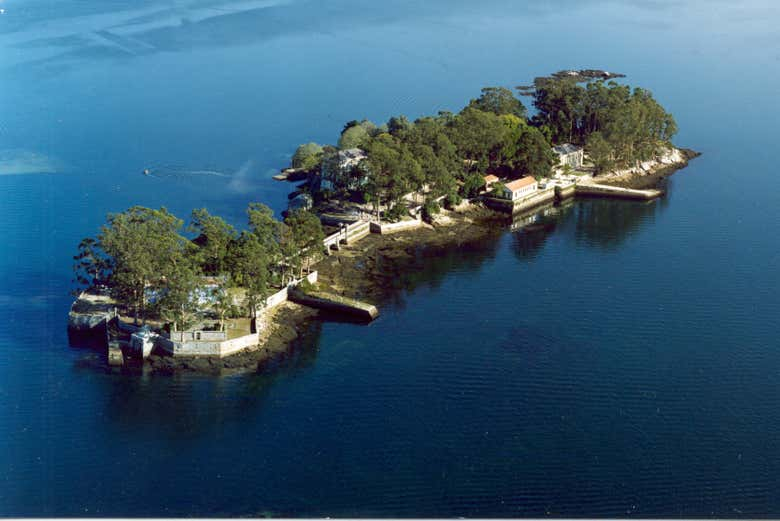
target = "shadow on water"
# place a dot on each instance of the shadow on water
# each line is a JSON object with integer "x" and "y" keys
{"x": 427, "y": 266}
{"x": 606, "y": 224}
{"x": 594, "y": 222}
{"x": 191, "y": 404}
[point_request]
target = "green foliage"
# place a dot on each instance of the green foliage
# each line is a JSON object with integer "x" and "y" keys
{"x": 353, "y": 137}
{"x": 303, "y": 236}
{"x": 630, "y": 122}
{"x": 395, "y": 213}
{"x": 91, "y": 266}
{"x": 263, "y": 226}
{"x": 397, "y": 125}
{"x": 391, "y": 171}
{"x": 214, "y": 237}
{"x": 429, "y": 209}
{"x": 532, "y": 155}
{"x": 497, "y": 189}
{"x": 249, "y": 268}
{"x": 478, "y": 135}
{"x": 452, "y": 200}
{"x": 499, "y": 100}
{"x": 472, "y": 185}
{"x": 146, "y": 250}
{"x": 600, "y": 153}
{"x": 176, "y": 303}
{"x": 307, "y": 156}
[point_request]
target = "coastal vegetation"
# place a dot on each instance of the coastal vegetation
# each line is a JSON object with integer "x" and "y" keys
{"x": 143, "y": 259}
{"x": 448, "y": 154}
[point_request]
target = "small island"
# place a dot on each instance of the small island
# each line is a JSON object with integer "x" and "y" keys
{"x": 210, "y": 297}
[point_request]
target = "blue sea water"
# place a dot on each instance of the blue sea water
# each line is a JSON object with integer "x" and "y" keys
{"x": 623, "y": 361}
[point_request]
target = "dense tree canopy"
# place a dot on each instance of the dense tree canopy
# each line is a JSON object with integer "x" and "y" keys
{"x": 148, "y": 265}
{"x": 307, "y": 156}
{"x": 630, "y": 123}
{"x": 146, "y": 250}
{"x": 499, "y": 100}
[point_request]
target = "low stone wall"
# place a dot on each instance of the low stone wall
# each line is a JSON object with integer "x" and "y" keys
{"x": 564, "y": 192}
{"x": 282, "y": 295}
{"x": 191, "y": 336}
{"x": 385, "y": 228}
{"x": 205, "y": 348}
{"x": 238, "y": 344}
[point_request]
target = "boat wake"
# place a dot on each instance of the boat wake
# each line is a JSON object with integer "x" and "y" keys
{"x": 180, "y": 173}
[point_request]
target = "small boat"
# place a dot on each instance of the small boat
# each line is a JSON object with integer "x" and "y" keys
{"x": 147, "y": 171}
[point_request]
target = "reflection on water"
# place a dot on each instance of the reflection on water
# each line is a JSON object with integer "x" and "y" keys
{"x": 596, "y": 222}
{"x": 606, "y": 224}
{"x": 191, "y": 404}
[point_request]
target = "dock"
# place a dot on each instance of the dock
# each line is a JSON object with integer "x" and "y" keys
{"x": 599, "y": 190}
{"x": 335, "y": 303}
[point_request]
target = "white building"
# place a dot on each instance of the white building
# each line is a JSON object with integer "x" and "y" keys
{"x": 520, "y": 188}
{"x": 569, "y": 154}
{"x": 339, "y": 166}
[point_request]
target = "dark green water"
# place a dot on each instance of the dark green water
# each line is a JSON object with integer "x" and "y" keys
{"x": 622, "y": 361}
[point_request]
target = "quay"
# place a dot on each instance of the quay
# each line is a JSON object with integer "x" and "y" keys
{"x": 558, "y": 190}
{"x": 336, "y": 303}
{"x": 599, "y": 190}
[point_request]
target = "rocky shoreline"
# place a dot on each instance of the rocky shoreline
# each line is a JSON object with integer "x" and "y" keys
{"x": 649, "y": 174}
{"x": 370, "y": 270}
{"x": 364, "y": 270}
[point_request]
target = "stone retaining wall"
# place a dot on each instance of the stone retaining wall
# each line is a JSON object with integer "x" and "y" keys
{"x": 385, "y": 228}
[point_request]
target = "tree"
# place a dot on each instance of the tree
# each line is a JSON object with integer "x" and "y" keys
{"x": 534, "y": 155}
{"x": 600, "y": 152}
{"x": 91, "y": 266}
{"x": 356, "y": 133}
{"x": 249, "y": 269}
{"x": 307, "y": 156}
{"x": 397, "y": 125}
{"x": 473, "y": 184}
{"x": 177, "y": 302}
{"x": 497, "y": 189}
{"x": 389, "y": 170}
{"x": 214, "y": 239}
{"x": 263, "y": 226}
{"x": 478, "y": 135}
{"x": 353, "y": 137}
{"x": 306, "y": 236}
{"x": 145, "y": 247}
{"x": 499, "y": 100}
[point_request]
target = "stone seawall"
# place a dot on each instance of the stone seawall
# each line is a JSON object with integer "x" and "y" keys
{"x": 385, "y": 228}
{"x": 335, "y": 303}
{"x": 539, "y": 198}
{"x": 596, "y": 190}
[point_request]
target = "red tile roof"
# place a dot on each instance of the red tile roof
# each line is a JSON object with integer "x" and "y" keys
{"x": 491, "y": 178}
{"x": 520, "y": 183}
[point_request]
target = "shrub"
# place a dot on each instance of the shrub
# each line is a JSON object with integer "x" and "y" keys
{"x": 395, "y": 213}
{"x": 452, "y": 200}
{"x": 429, "y": 209}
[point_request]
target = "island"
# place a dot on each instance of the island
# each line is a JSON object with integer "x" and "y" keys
{"x": 209, "y": 297}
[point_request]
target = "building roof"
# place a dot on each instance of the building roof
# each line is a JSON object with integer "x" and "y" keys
{"x": 566, "y": 148}
{"x": 352, "y": 153}
{"x": 517, "y": 184}
{"x": 490, "y": 178}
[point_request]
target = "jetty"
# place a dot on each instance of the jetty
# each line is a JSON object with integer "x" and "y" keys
{"x": 336, "y": 303}
{"x": 601, "y": 190}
